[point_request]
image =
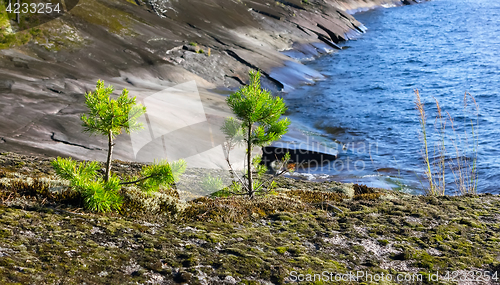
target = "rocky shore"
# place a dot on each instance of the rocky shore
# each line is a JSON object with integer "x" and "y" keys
{"x": 147, "y": 46}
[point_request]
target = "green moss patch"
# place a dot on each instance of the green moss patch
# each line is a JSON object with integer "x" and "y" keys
{"x": 103, "y": 14}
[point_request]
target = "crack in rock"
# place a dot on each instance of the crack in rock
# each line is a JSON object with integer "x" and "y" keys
{"x": 241, "y": 60}
{"x": 52, "y": 136}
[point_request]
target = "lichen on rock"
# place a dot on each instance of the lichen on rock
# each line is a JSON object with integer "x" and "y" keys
{"x": 304, "y": 228}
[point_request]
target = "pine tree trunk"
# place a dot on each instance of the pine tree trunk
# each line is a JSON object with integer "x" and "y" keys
{"x": 110, "y": 153}
{"x": 249, "y": 162}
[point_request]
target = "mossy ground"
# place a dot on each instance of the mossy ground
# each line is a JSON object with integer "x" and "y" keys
{"x": 304, "y": 227}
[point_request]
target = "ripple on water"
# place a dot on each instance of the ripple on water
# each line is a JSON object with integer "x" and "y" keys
{"x": 447, "y": 48}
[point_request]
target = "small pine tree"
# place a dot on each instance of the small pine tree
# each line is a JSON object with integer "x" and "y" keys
{"x": 258, "y": 121}
{"x": 110, "y": 117}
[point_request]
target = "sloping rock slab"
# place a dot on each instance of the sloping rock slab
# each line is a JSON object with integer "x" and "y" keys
{"x": 302, "y": 149}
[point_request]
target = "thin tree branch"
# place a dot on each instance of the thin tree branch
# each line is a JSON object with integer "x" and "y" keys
{"x": 136, "y": 181}
{"x": 231, "y": 166}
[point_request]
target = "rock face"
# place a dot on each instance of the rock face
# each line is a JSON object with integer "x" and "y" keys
{"x": 148, "y": 45}
{"x": 302, "y": 149}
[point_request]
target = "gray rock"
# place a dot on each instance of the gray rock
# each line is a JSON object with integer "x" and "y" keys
{"x": 191, "y": 48}
{"x": 6, "y": 85}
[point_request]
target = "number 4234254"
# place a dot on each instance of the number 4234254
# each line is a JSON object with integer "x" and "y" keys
{"x": 32, "y": 8}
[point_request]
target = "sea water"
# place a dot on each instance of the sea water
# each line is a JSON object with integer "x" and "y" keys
{"x": 443, "y": 48}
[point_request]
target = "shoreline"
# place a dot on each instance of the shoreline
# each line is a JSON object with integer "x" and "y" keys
{"x": 44, "y": 88}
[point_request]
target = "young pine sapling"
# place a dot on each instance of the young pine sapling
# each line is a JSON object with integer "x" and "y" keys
{"x": 110, "y": 117}
{"x": 258, "y": 122}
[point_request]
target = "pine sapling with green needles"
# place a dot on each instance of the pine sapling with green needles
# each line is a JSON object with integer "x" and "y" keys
{"x": 258, "y": 122}
{"x": 110, "y": 117}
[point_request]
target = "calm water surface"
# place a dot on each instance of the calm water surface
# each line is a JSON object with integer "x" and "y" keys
{"x": 444, "y": 48}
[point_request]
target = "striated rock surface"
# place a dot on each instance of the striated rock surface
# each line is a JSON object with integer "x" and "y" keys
{"x": 148, "y": 45}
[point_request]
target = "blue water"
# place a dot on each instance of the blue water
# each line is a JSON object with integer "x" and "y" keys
{"x": 444, "y": 48}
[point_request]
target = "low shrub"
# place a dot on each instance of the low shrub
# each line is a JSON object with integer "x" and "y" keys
{"x": 98, "y": 195}
{"x": 312, "y": 197}
{"x": 104, "y": 196}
